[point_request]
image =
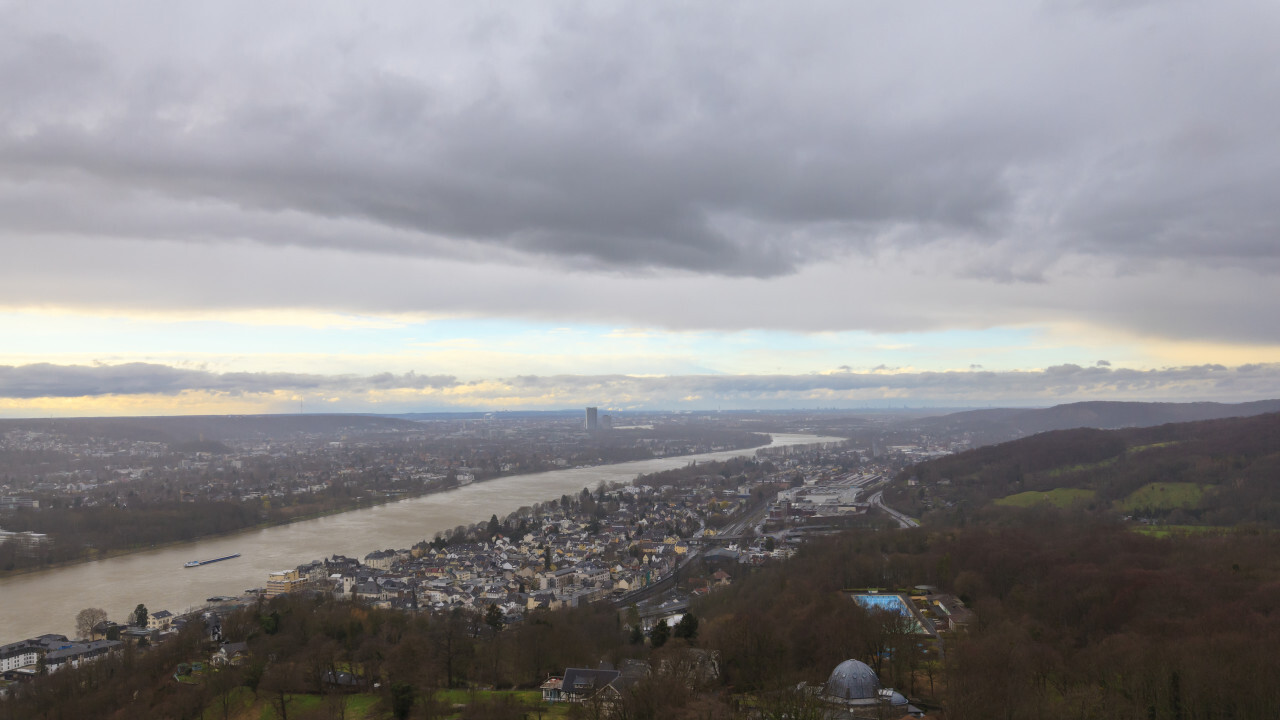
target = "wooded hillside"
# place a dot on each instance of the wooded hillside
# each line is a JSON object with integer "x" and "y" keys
{"x": 1217, "y": 472}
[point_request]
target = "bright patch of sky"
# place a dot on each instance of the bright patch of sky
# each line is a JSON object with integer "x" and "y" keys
{"x": 476, "y": 348}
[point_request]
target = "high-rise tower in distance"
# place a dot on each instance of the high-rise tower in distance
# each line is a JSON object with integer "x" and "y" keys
{"x": 592, "y": 422}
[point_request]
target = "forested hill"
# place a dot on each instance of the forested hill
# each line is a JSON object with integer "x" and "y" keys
{"x": 189, "y": 428}
{"x": 997, "y": 425}
{"x": 1215, "y": 472}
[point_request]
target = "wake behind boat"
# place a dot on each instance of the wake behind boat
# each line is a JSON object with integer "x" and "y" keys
{"x": 198, "y": 563}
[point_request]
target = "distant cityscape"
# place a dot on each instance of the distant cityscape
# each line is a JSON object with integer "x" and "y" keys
{"x": 651, "y": 554}
{"x": 622, "y": 544}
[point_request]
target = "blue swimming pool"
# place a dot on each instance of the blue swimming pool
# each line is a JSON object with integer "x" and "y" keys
{"x": 892, "y": 603}
{"x": 883, "y": 602}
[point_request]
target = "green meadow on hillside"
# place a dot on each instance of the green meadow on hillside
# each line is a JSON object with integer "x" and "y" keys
{"x": 1215, "y": 473}
{"x": 1163, "y": 496}
{"x": 1059, "y": 497}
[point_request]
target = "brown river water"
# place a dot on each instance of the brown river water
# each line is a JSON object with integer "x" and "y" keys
{"x": 47, "y": 601}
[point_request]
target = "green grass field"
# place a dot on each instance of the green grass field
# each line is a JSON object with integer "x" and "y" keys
{"x": 361, "y": 705}
{"x": 247, "y": 707}
{"x": 1061, "y": 497}
{"x": 298, "y": 704}
{"x": 1153, "y": 446}
{"x": 531, "y": 699}
{"x": 1057, "y": 472}
{"x": 240, "y": 701}
{"x": 244, "y": 705}
{"x": 1163, "y": 496}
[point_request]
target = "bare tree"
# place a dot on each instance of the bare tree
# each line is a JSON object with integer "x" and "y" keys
{"x": 87, "y": 621}
{"x": 281, "y": 681}
{"x": 792, "y": 704}
{"x": 223, "y": 682}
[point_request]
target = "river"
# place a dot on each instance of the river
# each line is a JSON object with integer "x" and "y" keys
{"x": 47, "y": 601}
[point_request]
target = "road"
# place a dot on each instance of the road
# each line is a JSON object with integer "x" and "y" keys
{"x": 877, "y": 500}
{"x": 734, "y": 530}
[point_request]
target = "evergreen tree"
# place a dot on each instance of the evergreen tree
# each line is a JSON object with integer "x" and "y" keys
{"x": 402, "y": 697}
{"x": 660, "y": 634}
{"x": 687, "y": 628}
{"x": 493, "y": 617}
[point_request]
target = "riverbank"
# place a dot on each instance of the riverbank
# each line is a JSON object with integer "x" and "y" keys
{"x": 363, "y": 504}
{"x": 124, "y": 552}
{"x": 48, "y": 601}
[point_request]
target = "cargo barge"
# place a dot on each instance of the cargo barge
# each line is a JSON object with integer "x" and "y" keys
{"x": 198, "y": 563}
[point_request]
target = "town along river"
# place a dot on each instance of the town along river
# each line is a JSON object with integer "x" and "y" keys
{"x": 47, "y": 601}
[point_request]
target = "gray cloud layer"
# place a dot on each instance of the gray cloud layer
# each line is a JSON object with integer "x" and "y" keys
{"x": 45, "y": 380}
{"x": 713, "y": 138}
{"x": 1056, "y": 384}
{"x": 885, "y": 166}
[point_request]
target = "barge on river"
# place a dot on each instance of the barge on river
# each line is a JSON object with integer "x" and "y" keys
{"x": 198, "y": 563}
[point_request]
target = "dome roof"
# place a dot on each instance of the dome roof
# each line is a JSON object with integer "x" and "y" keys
{"x": 853, "y": 680}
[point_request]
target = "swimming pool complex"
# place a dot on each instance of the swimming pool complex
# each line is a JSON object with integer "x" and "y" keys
{"x": 892, "y": 603}
{"x": 883, "y": 602}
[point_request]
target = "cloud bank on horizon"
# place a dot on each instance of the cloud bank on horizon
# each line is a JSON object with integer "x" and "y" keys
{"x": 1062, "y": 180}
{"x": 386, "y": 392}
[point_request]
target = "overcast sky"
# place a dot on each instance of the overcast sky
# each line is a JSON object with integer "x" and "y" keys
{"x": 239, "y": 207}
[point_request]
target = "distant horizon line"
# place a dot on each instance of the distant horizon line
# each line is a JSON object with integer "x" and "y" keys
{"x": 578, "y": 410}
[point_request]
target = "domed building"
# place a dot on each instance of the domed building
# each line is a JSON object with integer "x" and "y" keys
{"x": 854, "y": 691}
{"x": 852, "y": 680}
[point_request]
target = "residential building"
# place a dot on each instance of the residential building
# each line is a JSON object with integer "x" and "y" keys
{"x": 284, "y": 581}
{"x": 159, "y": 620}
{"x": 79, "y": 653}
